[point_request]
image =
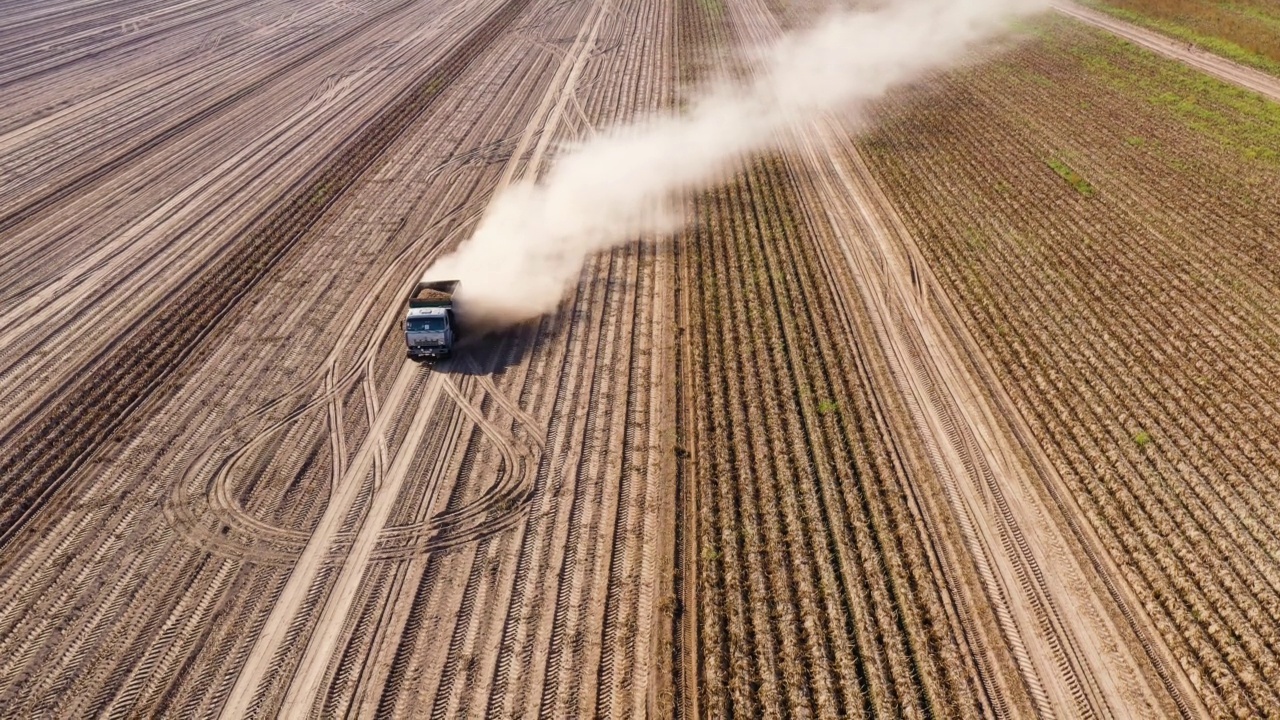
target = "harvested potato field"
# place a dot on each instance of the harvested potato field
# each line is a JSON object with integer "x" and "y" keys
{"x": 226, "y": 492}
{"x": 959, "y": 406}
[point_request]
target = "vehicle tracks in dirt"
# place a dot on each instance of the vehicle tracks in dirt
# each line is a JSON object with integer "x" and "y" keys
{"x": 331, "y": 510}
{"x": 53, "y": 442}
{"x": 1059, "y": 629}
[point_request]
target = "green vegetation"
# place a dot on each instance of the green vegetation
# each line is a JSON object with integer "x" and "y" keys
{"x": 826, "y": 407}
{"x": 1246, "y": 31}
{"x": 975, "y": 238}
{"x": 1073, "y": 178}
{"x": 1142, "y": 438}
{"x": 1238, "y": 119}
{"x": 714, "y": 8}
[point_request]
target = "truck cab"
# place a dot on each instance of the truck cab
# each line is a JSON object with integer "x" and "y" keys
{"x": 429, "y": 330}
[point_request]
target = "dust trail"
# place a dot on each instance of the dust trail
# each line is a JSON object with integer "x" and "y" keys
{"x": 623, "y": 183}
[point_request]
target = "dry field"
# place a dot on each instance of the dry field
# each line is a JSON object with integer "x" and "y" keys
{"x": 973, "y": 414}
{"x": 226, "y": 492}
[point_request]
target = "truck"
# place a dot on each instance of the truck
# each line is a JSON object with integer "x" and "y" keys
{"x": 429, "y": 325}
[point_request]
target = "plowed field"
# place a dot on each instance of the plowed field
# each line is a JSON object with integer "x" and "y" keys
{"x": 968, "y": 411}
{"x": 226, "y": 491}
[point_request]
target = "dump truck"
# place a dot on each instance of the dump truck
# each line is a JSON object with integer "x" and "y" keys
{"x": 429, "y": 326}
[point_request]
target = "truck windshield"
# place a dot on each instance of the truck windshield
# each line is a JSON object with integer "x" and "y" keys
{"x": 425, "y": 324}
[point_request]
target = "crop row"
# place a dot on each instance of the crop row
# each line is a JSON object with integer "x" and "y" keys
{"x": 815, "y": 592}
{"x": 1132, "y": 328}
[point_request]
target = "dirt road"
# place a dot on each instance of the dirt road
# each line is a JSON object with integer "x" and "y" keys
{"x": 1203, "y": 60}
{"x": 1045, "y": 617}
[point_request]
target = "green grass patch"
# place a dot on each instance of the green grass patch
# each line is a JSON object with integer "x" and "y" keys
{"x": 1073, "y": 178}
{"x": 714, "y": 8}
{"x": 826, "y": 407}
{"x": 1237, "y": 119}
{"x": 1246, "y": 34}
{"x": 1142, "y": 438}
{"x": 975, "y": 239}
{"x": 1029, "y": 27}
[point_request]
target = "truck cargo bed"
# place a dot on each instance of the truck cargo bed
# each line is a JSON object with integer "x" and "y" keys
{"x": 433, "y": 293}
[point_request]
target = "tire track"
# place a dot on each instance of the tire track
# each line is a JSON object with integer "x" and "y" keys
{"x": 962, "y": 457}
{"x": 575, "y": 573}
{"x": 305, "y": 688}
{"x": 304, "y": 583}
{"x": 46, "y": 448}
{"x": 266, "y": 441}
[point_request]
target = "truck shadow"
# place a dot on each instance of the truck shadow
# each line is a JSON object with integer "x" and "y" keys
{"x": 490, "y": 353}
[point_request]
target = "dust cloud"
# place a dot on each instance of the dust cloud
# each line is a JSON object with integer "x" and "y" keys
{"x": 625, "y": 182}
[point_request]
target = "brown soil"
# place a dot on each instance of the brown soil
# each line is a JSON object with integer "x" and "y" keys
{"x": 862, "y": 441}
{"x": 237, "y": 498}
